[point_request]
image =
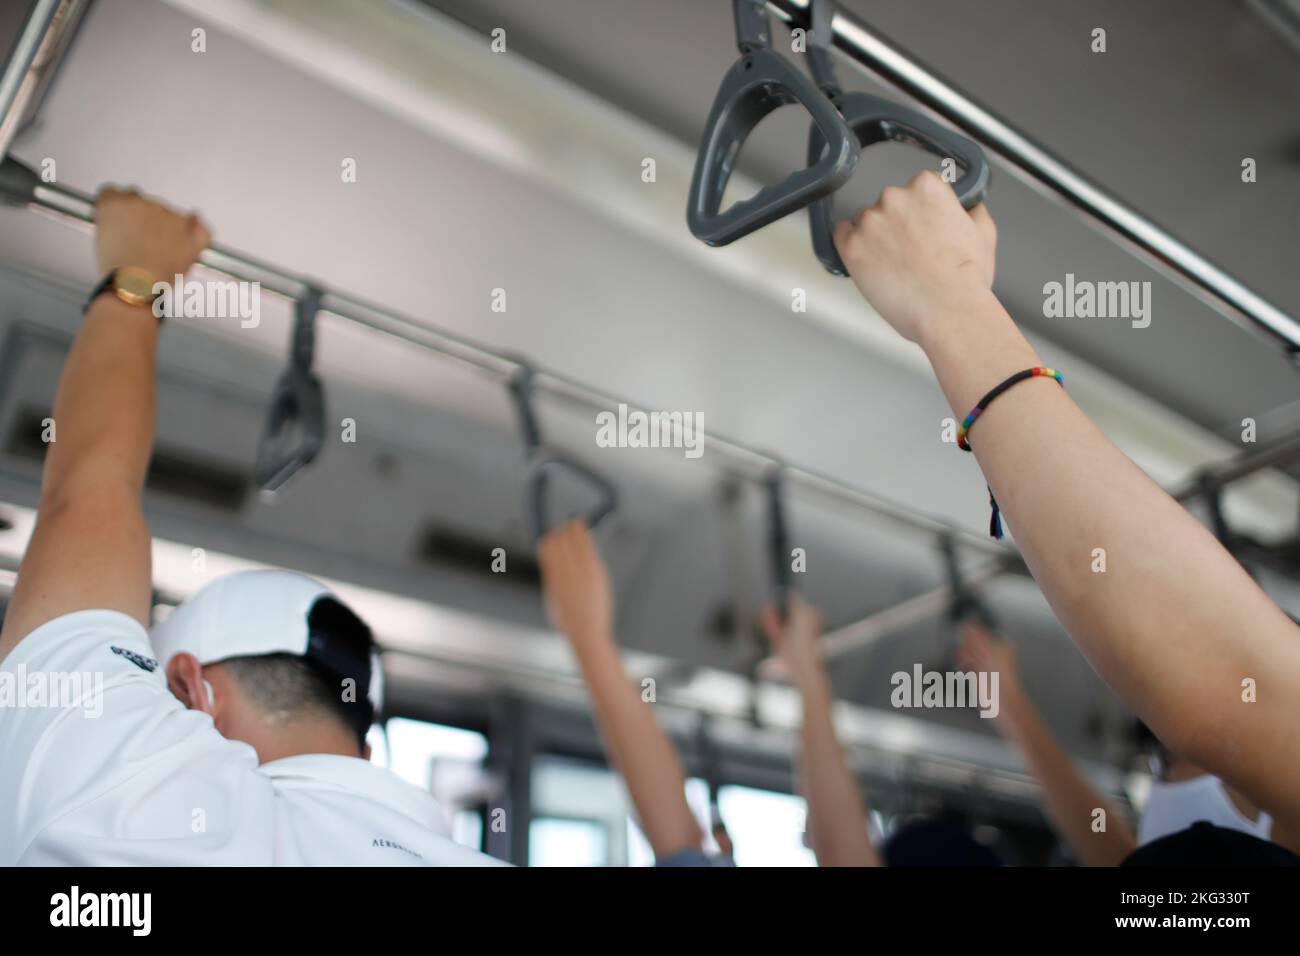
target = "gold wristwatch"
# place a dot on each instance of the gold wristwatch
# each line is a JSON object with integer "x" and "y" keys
{"x": 131, "y": 284}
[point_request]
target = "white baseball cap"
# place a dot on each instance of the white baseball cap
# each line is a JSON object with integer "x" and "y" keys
{"x": 251, "y": 613}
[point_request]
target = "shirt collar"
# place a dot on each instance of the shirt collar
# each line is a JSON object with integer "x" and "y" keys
{"x": 360, "y": 777}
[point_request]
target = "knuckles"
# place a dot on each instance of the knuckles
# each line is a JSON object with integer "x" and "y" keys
{"x": 929, "y": 181}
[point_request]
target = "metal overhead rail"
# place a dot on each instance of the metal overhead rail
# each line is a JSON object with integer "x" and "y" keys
{"x": 20, "y": 185}
{"x": 35, "y": 42}
{"x": 1267, "y": 456}
{"x": 1052, "y": 176}
{"x": 910, "y": 612}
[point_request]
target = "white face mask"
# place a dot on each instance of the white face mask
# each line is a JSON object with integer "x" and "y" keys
{"x": 1172, "y": 807}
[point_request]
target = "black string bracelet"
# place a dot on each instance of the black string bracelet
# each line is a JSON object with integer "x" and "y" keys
{"x": 995, "y": 520}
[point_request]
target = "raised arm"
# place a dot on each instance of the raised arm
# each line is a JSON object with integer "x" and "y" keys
{"x": 1072, "y": 801}
{"x": 90, "y": 547}
{"x": 1173, "y": 624}
{"x": 837, "y": 815}
{"x": 580, "y": 603}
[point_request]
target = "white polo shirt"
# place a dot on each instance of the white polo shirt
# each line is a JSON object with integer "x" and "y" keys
{"x": 100, "y": 765}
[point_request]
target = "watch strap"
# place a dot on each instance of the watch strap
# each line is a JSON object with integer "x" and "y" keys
{"x": 104, "y": 285}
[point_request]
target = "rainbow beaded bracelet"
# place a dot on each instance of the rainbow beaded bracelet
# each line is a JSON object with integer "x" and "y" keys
{"x": 995, "y": 522}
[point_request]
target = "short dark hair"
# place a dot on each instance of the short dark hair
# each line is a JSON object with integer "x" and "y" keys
{"x": 943, "y": 840}
{"x": 282, "y": 683}
{"x": 294, "y": 685}
{"x": 1204, "y": 844}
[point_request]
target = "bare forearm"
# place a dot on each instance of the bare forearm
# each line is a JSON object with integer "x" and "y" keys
{"x": 1072, "y": 802}
{"x": 639, "y": 748}
{"x": 1173, "y": 624}
{"x": 104, "y": 408}
{"x": 837, "y": 815}
{"x": 90, "y": 547}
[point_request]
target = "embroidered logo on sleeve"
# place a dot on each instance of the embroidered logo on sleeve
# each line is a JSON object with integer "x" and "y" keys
{"x": 139, "y": 660}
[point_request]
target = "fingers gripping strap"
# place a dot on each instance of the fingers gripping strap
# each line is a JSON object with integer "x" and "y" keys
{"x": 875, "y": 120}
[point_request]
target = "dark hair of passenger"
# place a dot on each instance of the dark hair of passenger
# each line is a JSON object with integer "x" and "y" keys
{"x": 291, "y": 687}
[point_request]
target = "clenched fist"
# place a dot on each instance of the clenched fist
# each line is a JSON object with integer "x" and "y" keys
{"x": 917, "y": 253}
{"x": 797, "y": 638}
{"x": 135, "y": 231}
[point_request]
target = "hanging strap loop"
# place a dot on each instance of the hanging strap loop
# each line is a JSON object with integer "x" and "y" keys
{"x": 965, "y": 604}
{"x": 757, "y": 84}
{"x": 778, "y": 539}
{"x": 294, "y": 432}
{"x": 542, "y": 461}
{"x": 821, "y": 59}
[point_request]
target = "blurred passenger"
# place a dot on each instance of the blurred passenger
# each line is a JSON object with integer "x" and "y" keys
{"x": 941, "y": 840}
{"x": 233, "y": 732}
{"x": 1097, "y": 832}
{"x": 580, "y": 602}
{"x": 837, "y": 813}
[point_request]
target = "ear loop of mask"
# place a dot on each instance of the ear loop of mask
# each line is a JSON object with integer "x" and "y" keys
{"x": 212, "y": 697}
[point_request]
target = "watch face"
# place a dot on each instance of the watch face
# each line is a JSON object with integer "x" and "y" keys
{"x": 134, "y": 285}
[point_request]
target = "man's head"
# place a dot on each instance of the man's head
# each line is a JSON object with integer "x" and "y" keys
{"x": 276, "y": 660}
{"x": 943, "y": 840}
